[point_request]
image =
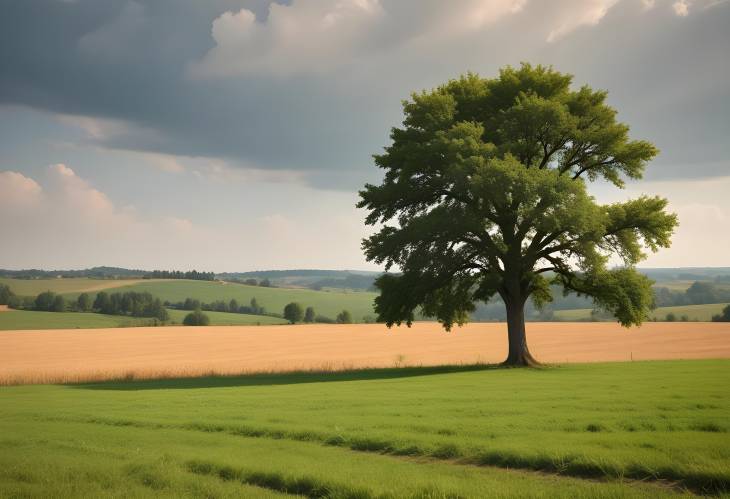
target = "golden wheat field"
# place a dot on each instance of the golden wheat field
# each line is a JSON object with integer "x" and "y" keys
{"x": 97, "y": 354}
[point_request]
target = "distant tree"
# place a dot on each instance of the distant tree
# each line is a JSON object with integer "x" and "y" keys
{"x": 44, "y": 301}
{"x": 369, "y": 319}
{"x": 196, "y": 318}
{"x": 344, "y": 317}
{"x": 191, "y": 304}
{"x": 255, "y": 309}
{"x": 5, "y": 294}
{"x": 485, "y": 193}
{"x": 309, "y": 315}
{"x": 83, "y": 302}
{"x": 671, "y": 317}
{"x": 233, "y": 306}
{"x": 101, "y": 302}
{"x": 265, "y": 283}
{"x": 684, "y": 318}
{"x": 724, "y": 316}
{"x": 59, "y": 304}
{"x": 251, "y": 282}
{"x": 293, "y": 312}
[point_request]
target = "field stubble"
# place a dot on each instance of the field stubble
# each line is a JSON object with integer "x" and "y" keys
{"x": 51, "y": 356}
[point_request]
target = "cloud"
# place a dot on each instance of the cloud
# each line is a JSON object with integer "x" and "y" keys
{"x": 18, "y": 191}
{"x": 681, "y": 8}
{"x": 587, "y": 13}
{"x": 306, "y": 91}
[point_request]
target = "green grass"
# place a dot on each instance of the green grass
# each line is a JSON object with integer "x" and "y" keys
{"x": 32, "y": 287}
{"x": 328, "y": 303}
{"x": 644, "y": 429}
{"x": 28, "y": 319}
{"x": 693, "y": 312}
{"x": 226, "y": 319}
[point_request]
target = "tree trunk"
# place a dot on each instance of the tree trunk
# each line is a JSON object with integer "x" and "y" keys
{"x": 519, "y": 354}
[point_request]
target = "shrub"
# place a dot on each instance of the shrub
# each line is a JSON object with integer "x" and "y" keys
{"x": 44, "y": 301}
{"x": 309, "y": 315}
{"x": 324, "y": 319}
{"x": 5, "y": 294}
{"x": 196, "y": 318}
{"x": 724, "y": 316}
{"x": 59, "y": 304}
{"x": 83, "y": 302}
{"x": 671, "y": 317}
{"x": 344, "y": 317}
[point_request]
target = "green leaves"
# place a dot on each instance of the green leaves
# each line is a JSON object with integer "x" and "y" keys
{"x": 485, "y": 191}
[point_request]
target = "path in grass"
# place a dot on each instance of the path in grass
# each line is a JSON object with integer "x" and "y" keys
{"x": 63, "y": 355}
{"x": 366, "y": 434}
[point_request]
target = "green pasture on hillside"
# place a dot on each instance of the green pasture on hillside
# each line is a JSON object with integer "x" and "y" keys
{"x": 644, "y": 429}
{"x": 693, "y": 312}
{"x": 328, "y": 303}
{"x": 30, "y": 319}
{"x": 226, "y": 319}
{"x": 33, "y": 287}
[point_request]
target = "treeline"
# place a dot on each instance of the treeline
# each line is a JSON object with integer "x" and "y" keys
{"x": 264, "y": 283}
{"x": 130, "y": 303}
{"x": 294, "y": 312}
{"x": 231, "y": 306}
{"x": 177, "y": 274}
{"x": 94, "y": 272}
{"x": 698, "y": 293}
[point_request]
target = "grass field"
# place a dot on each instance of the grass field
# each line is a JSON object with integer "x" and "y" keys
{"x": 693, "y": 312}
{"x": 30, "y": 319}
{"x": 32, "y": 287}
{"x": 644, "y": 429}
{"x": 327, "y": 303}
{"x": 226, "y": 319}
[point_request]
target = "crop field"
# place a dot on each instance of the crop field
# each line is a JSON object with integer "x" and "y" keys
{"x": 98, "y": 354}
{"x": 32, "y": 287}
{"x": 693, "y": 312}
{"x": 642, "y": 429}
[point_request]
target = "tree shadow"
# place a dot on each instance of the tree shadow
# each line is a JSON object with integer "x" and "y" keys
{"x": 289, "y": 378}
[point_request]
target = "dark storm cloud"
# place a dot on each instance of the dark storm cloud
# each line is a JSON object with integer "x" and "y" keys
{"x": 134, "y": 61}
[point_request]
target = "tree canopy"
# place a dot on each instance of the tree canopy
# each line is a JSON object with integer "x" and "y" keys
{"x": 485, "y": 193}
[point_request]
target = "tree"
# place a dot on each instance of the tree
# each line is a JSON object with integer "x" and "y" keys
{"x": 724, "y": 316}
{"x": 265, "y": 283}
{"x": 293, "y": 312}
{"x": 309, "y": 315}
{"x": 196, "y": 318}
{"x": 344, "y": 317}
{"x": 44, "y": 301}
{"x": 485, "y": 193}
{"x": 233, "y": 306}
{"x": 58, "y": 305}
{"x": 83, "y": 302}
{"x": 6, "y": 294}
{"x": 255, "y": 309}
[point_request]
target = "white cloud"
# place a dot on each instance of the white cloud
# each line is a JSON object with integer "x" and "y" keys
{"x": 18, "y": 193}
{"x": 585, "y": 13}
{"x": 321, "y": 35}
{"x": 681, "y": 8}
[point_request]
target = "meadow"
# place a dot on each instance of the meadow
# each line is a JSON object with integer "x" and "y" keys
{"x": 31, "y": 319}
{"x": 693, "y": 312}
{"x": 327, "y": 302}
{"x": 642, "y": 429}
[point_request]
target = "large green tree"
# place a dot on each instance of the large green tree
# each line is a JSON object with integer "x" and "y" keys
{"x": 485, "y": 193}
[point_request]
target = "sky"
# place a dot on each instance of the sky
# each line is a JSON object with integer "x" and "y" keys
{"x": 233, "y": 135}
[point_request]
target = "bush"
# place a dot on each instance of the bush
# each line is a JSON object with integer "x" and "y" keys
{"x": 83, "y": 302}
{"x": 196, "y": 318}
{"x": 671, "y": 317}
{"x": 309, "y": 315}
{"x": 369, "y": 319}
{"x": 324, "y": 319}
{"x": 344, "y": 317}
{"x": 59, "y": 304}
{"x": 293, "y": 312}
